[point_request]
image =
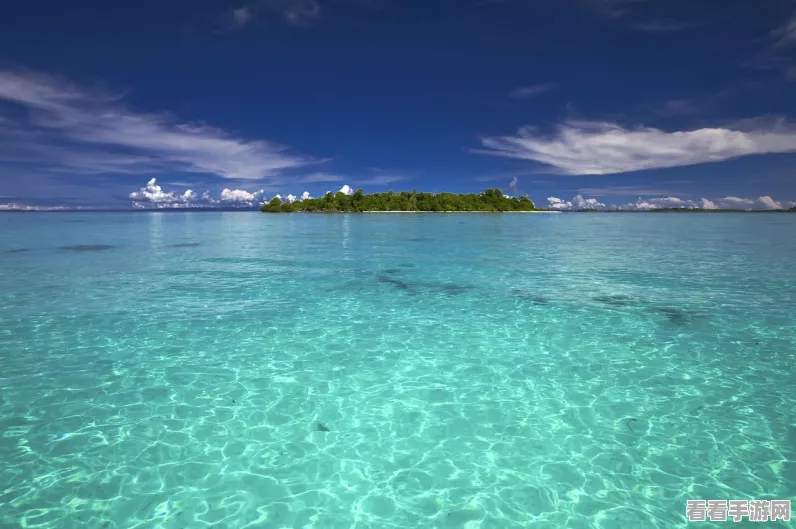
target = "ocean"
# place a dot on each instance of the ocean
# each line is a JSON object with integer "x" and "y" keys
{"x": 243, "y": 370}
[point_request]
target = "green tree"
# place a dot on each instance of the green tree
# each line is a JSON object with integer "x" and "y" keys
{"x": 488, "y": 200}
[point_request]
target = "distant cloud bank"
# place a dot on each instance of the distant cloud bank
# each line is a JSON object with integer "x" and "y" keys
{"x": 647, "y": 204}
{"x": 154, "y": 197}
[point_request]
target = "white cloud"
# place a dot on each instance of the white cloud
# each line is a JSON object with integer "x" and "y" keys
{"x": 586, "y": 203}
{"x": 25, "y": 207}
{"x": 769, "y": 203}
{"x": 70, "y": 128}
{"x": 760, "y": 203}
{"x": 346, "y": 190}
{"x": 290, "y": 199}
{"x": 527, "y": 92}
{"x": 605, "y": 148}
{"x": 153, "y": 195}
{"x": 646, "y": 204}
{"x": 305, "y": 195}
{"x": 578, "y": 202}
{"x": 513, "y": 184}
{"x": 239, "y": 195}
{"x": 708, "y": 204}
{"x": 662, "y": 202}
{"x": 557, "y": 203}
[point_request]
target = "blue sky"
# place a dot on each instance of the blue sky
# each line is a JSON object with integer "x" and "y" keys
{"x": 581, "y": 103}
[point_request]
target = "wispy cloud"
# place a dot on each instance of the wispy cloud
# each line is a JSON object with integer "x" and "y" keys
{"x": 69, "y": 128}
{"x": 596, "y": 148}
{"x": 635, "y": 191}
{"x": 776, "y": 55}
{"x": 649, "y": 16}
{"x": 786, "y": 34}
{"x": 769, "y": 61}
{"x": 527, "y": 92}
{"x": 294, "y": 12}
{"x": 513, "y": 185}
{"x": 380, "y": 180}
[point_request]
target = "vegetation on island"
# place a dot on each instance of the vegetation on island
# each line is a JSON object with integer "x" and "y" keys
{"x": 489, "y": 200}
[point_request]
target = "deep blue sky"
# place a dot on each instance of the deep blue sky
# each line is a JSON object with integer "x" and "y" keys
{"x": 620, "y": 101}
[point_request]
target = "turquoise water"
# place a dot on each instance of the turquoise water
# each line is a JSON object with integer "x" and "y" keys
{"x": 495, "y": 371}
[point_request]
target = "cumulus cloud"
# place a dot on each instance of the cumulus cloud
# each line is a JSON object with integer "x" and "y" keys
{"x": 290, "y": 199}
{"x": 305, "y": 195}
{"x": 596, "y": 148}
{"x": 153, "y": 195}
{"x": 239, "y": 195}
{"x": 557, "y": 203}
{"x": 346, "y": 190}
{"x": 662, "y": 202}
{"x": 578, "y": 202}
{"x": 71, "y": 128}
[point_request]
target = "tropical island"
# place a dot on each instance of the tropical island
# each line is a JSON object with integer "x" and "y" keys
{"x": 491, "y": 200}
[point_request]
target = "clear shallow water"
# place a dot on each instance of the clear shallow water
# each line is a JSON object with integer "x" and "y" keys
{"x": 493, "y": 371}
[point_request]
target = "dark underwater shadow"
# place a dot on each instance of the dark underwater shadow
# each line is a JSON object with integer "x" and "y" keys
{"x": 88, "y": 247}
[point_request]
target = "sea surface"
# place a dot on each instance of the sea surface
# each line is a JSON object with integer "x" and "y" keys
{"x": 243, "y": 370}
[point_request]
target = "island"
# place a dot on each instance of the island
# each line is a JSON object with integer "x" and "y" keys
{"x": 490, "y": 200}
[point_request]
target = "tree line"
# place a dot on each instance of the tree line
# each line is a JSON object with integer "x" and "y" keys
{"x": 489, "y": 200}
